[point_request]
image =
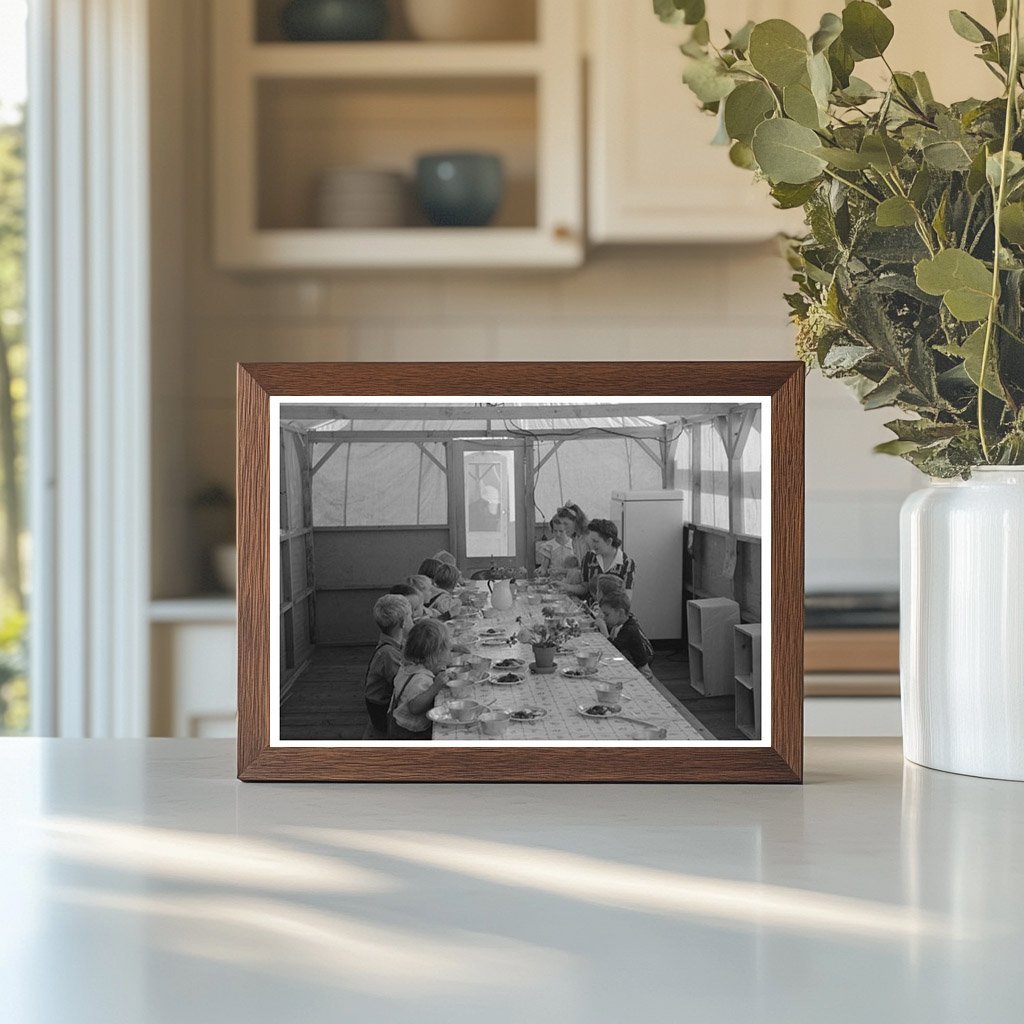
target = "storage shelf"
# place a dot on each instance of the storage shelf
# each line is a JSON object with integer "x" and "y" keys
{"x": 309, "y": 248}
{"x": 393, "y": 60}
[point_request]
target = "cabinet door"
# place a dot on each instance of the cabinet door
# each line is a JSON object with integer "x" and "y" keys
{"x": 654, "y": 175}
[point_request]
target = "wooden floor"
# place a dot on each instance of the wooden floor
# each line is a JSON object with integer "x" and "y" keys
{"x": 326, "y": 701}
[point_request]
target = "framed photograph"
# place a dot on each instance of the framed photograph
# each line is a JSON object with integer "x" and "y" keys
{"x": 519, "y": 572}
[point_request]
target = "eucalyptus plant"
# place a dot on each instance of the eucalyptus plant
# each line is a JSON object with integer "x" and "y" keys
{"x": 909, "y": 280}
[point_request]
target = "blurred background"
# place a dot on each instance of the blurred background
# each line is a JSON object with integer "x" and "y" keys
{"x": 254, "y": 180}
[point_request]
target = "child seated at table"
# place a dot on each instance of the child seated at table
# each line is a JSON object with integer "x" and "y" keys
{"x": 444, "y": 602}
{"x": 412, "y": 595}
{"x": 418, "y": 681}
{"x": 555, "y": 551}
{"x": 427, "y": 591}
{"x": 393, "y": 615}
{"x": 620, "y": 625}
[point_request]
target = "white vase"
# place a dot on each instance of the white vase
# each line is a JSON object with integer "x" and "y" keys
{"x": 962, "y": 624}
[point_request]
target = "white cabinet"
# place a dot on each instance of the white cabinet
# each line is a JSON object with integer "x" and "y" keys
{"x": 653, "y": 174}
{"x": 285, "y": 114}
{"x": 651, "y": 526}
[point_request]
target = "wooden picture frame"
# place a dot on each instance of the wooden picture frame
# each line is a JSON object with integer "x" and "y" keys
{"x": 780, "y": 756}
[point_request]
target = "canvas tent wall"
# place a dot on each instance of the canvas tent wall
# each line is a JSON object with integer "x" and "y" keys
{"x": 378, "y": 483}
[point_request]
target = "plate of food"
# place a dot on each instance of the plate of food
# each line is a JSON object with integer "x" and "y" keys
{"x": 526, "y": 714}
{"x": 506, "y": 678}
{"x": 507, "y": 664}
{"x": 579, "y": 673}
{"x": 442, "y": 715}
{"x": 599, "y": 710}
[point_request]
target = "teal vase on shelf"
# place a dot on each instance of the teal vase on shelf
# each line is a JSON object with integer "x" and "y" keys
{"x": 331, "y": 21}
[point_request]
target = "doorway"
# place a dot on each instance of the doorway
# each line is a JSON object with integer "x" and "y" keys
{"x": 491, "y": 501}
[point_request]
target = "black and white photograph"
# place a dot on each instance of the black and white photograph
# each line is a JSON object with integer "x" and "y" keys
{"x": 520, "y": 571}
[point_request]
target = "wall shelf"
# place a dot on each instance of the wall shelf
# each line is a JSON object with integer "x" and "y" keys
{"x": 285, "y": 114}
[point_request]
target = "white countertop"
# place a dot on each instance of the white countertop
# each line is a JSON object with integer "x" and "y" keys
{"x": 143, "y": 884}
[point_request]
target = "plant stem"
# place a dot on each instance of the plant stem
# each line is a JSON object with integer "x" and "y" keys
{"x": 855, "y": 187}
{"x": 993, "y": 309}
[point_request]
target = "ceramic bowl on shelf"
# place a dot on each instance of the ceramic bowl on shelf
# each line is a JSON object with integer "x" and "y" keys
{"x": 460, "y": 189}
{"x": 464, "y": 21}
{"x": 361, "y": 197}
{"x": 334, "y": 21}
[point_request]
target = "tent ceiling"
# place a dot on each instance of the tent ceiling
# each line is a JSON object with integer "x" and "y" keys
{"x": 496, "y": 418}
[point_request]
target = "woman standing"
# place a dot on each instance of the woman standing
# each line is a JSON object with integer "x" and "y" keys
{"x": 604, "y": 557}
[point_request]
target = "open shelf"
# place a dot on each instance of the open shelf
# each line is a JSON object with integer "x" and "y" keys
{"x": 306, "y": 127}
{"x": 288, "y": 113}
{"x": 393, "y": 60}
{"x": 519, "y": 23}
{"x": 747, "y": 689}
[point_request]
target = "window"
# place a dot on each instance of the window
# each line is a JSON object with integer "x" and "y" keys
{"x": 713, "y": 508}
{"x": 750, "y": 482}
{"x": 14, "y": 704}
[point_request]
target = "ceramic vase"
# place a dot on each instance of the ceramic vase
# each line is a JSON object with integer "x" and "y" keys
{"x": 962, "y": 624}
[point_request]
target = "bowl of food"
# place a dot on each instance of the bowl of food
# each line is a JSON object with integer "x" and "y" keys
{"x": 493, "y": 722}
{"x": 463, "y": 710}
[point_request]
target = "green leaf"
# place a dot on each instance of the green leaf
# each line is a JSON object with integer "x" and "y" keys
{"x": 789, "y": 197}
{"x": 707, "y": 80}
{"x": 896, "y": 212}
{"x": 778, "y": 50}
{"x": 844, "y": 159}
{"x": 800, "y": 105}
{"x": 676, "y": 12}
{"x": 745, "y": 108}
{"x": 976, "y": 174}
{"x": 963, "y": 281}
{"x": 841, "y": 60}
{"x": 785, "y": 152}
{"x": 1012, "y": 224}
{"x": 895, "y": 447}
{"x": 947, "y": 156}
{"x": 921, "y": 185}
{"x": 968, "y": 28}
{"x": 883, "y": 153}
{"x": 866, "y": 29}
{"x": 829, "y": 30}
{"x": 971, "y": 352}
{"x": 820, "y": 77}
{"x": 739, "y": 41}
{"x": 741, "y": 155}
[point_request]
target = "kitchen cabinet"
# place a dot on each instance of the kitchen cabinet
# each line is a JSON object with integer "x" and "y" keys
{"x": 285, "y": 114}
{"x": 653, "y": 175}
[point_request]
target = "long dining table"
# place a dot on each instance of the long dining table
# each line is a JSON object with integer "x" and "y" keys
{"x": 558, "y": 696}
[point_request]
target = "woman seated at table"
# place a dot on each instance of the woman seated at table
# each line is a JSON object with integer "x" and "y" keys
{"x": 605, "y": 557}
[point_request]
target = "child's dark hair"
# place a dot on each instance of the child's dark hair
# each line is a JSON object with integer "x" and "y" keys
{"x": 617, "y": 601}
{"x": 607, "y": 529}
{"x": 446, "y": 576}
{"x": 429, "y": 567}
